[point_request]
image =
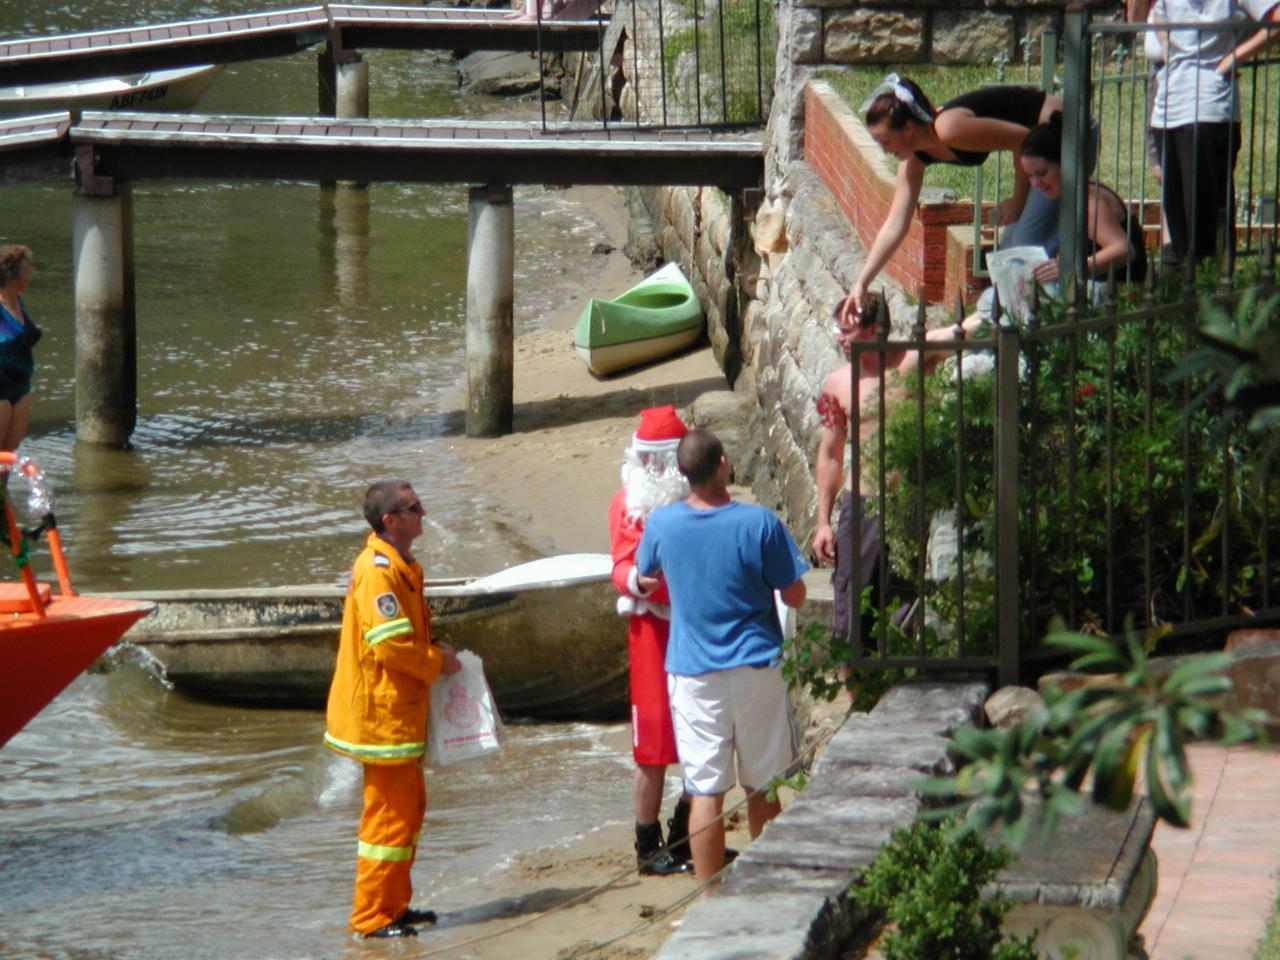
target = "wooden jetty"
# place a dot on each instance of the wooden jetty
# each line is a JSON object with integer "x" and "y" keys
{"x": 108, "y": 151}
{"x": 278, "y": 33}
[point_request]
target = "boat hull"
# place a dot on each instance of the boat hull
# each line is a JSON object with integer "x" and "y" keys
{"x": 553, "y": 653}
{"x": 657, "y": 317}
{"x": 168, "y": 90}
{"x": 42, "y": 656}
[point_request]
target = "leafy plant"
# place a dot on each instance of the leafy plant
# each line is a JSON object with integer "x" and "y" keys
{"x": 1140, "y": 720}
{"x": 928, "y": 881}
{"x": 1239, "y": 360}
{"x": 823, "y": 664}
{"x": 1111, "y": 473}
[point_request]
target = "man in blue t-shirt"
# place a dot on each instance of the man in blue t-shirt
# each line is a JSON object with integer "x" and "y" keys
{"x": 722, "y": 562}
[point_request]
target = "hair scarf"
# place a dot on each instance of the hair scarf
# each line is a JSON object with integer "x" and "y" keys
{"x": 893, "y": 84}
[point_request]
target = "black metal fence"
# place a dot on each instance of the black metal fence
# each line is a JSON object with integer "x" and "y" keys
{"x": 1067, "y": 467}
{"x": 678, "y": 63}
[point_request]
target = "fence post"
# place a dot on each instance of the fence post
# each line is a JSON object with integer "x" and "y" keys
{"x": 1076, "y": 87}
{"x": 1008, "y": 348}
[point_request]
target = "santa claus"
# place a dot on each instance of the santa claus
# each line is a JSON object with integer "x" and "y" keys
{"x": 650, "y": 479}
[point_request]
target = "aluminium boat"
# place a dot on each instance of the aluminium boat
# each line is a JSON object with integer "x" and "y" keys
{"x": 167, "y": 90}
{"x": 548, "y": 632}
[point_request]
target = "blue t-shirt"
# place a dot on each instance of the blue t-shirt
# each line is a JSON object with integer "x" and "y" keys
{"x": 721, "y": 567}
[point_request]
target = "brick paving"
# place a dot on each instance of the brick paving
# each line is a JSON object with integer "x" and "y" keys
{"x": 1218, "y": 878}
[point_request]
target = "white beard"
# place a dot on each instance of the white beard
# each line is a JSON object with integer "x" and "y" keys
{"x": 651, "y": 483}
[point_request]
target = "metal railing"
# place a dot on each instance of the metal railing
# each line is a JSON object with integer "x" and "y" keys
{"x": 679, "y": 63}
{"x": 1072, "y": 478}
{"x": 1102, "y": 87}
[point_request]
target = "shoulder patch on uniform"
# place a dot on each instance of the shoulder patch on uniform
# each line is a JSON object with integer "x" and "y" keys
{"x": 387, "y": 604}
{"x": 380, "y": 561}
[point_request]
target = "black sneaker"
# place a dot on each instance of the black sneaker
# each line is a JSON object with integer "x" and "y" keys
{"x": 412, "y": 916}
{"x": 392, "y": 931}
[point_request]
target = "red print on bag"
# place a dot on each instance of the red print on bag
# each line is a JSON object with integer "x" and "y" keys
{"x": 462, "y": 709}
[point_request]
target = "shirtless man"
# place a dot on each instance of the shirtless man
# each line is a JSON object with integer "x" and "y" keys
{"x": 835, "y": 407}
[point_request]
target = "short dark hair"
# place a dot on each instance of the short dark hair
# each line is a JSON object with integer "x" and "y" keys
{"x": 698, "y": 456}
{"x": 382, "y": 498}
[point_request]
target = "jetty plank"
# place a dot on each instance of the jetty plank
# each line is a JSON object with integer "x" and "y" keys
{"x": 275, "y": 33}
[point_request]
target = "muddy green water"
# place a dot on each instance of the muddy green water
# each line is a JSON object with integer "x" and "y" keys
{"x": 293, "y": 344}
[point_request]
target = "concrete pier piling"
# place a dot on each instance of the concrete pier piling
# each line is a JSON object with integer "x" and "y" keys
{"x": 351, "y": 89}
{"x": 490, "y": 292}
{"x": 106, "y": 336}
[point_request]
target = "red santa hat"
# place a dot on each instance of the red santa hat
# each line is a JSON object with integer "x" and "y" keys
{"x": 660, "y": 430}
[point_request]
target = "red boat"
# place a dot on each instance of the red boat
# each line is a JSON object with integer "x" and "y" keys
{"x": 46, "y": 639}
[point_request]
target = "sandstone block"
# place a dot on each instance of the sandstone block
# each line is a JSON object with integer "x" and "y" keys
{"x": 971, "y": 36}
{"x": 872, "y": 36}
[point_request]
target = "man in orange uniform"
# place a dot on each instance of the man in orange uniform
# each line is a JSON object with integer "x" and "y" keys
{"x": 377, "y": 710}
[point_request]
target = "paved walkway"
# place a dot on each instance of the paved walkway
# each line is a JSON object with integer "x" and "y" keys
{"x": 1218, "y": 879}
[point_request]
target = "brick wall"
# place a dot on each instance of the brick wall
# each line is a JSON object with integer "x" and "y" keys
{"x": 851, "y": 164}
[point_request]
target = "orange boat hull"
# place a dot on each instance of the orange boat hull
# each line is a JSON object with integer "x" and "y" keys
{"x": 39, "y": 657}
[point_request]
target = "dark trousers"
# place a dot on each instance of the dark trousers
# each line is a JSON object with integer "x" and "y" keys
{"x": 1199, "y": 189}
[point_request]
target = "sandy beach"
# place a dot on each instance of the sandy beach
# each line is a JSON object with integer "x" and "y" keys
{"x": 551, "y": 480}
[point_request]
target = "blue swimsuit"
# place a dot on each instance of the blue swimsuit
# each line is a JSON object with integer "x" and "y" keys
{"x": 17, "y": 360}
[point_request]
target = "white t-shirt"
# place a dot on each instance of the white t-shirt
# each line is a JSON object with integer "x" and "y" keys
{"x": 1189, "y": 88}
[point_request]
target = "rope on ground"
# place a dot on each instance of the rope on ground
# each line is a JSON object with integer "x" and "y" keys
{"x": 661, "y": 913}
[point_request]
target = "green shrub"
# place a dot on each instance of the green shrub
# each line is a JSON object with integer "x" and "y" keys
{"x": 1169, "y": 473}
{"x": 928, "y": 882}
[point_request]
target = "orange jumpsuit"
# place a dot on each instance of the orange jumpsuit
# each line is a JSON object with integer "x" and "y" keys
{"x": 377, "y": 714}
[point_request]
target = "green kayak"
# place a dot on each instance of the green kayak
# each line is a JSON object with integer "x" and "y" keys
{"x": 657, "y": 317}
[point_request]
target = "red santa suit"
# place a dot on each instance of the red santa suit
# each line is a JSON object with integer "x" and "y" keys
{"x": 653, "y": 741}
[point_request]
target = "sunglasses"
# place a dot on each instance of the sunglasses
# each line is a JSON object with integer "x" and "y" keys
{"x": 415, "y": 507}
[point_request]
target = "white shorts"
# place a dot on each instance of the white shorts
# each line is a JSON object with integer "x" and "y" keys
{"x": 742, "y": 711}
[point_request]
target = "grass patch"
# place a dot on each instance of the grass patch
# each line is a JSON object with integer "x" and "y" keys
{"x": 734, "y": 44}
{"x": 1269, "y": 945}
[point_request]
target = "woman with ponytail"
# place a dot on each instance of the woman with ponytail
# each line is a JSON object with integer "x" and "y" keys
{"x": 962, "y": 131}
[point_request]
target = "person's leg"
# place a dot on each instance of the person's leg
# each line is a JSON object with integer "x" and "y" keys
{"x": 766, "y": 742}
{"x": 6, "y": 421}
{"x": 647, "y": 792}
{"x": 703, "y": 720}
{"x": 15, "y": 428}
{"x": 760, "y": 810}
{"x": 652, "y": 741}
{"x": 1216, "y": 149}
{"x": 1176, "y": 193}
{"x": 394, "y": 803}
{"x": 1038, "y": 225}
{"x": 706, "y": 834}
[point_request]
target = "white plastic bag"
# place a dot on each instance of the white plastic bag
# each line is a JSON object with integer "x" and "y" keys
{"x": 1011, "y": 273}
{"x": 463, "y": 722}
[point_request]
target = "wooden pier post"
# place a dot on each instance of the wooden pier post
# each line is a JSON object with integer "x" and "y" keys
{"x": 106, "y": 323}
{"x": 490, "y": 292}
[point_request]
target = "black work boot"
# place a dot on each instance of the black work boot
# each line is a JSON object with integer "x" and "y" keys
{"x": 651, "y": 857}
{"x": 678, "y": 833}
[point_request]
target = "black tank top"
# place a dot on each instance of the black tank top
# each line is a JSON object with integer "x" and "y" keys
{"x": 1135, "y": 271}
{"x": 1020, "y": 105}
